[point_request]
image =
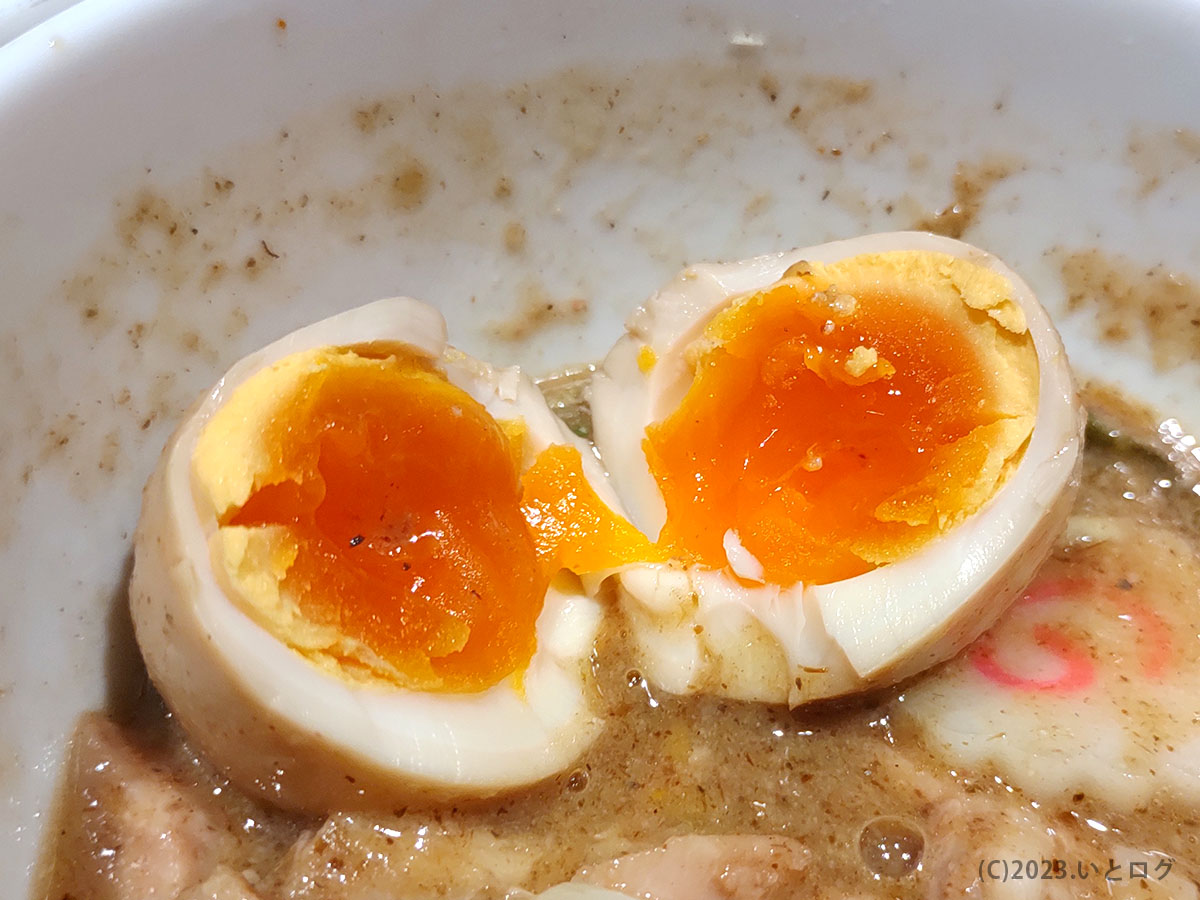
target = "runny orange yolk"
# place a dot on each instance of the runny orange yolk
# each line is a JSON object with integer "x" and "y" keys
{"x": 828, "y": 431}
{"x": 415, "y": 534}
{"x": 573, "y": 527}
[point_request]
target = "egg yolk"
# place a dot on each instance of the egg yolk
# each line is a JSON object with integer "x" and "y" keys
{"x": 831, "y": 431}
{"x": 404, "y": 500}
{"x": 411, "y": 531}
{"x": 574, "y": 529}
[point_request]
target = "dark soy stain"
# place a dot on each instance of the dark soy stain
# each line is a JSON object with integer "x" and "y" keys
{"x": 369, "y": 119}
{"x": 409, "y": 186}
{"x": 1156, "y": 156}
{"x": 536, "y": 310}
{"x": 970, "y": 185}
{"x": 514, "y": 238}
{"x": 1126, "y": 297}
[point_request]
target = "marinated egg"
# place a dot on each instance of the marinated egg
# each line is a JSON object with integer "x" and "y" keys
{"x": 356, "y": 571}
{"x": 851, "y": 458}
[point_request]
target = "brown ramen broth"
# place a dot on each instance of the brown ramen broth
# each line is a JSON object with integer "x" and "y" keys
{"x": 885, "y": 802}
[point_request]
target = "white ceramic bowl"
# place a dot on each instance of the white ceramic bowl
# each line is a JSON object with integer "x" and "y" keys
{"x": 492, "y": 158}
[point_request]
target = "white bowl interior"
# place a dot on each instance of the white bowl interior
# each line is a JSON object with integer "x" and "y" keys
{"x": 354, "y": 153}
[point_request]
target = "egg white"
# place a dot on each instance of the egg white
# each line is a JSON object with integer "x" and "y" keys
{"x": 699, "y": 630}
{"x": 307, "y": 739}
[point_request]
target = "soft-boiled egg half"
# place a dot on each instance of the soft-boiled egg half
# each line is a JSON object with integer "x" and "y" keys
{"x": 850, "y": 457}
{"x": 356, "y": 571}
